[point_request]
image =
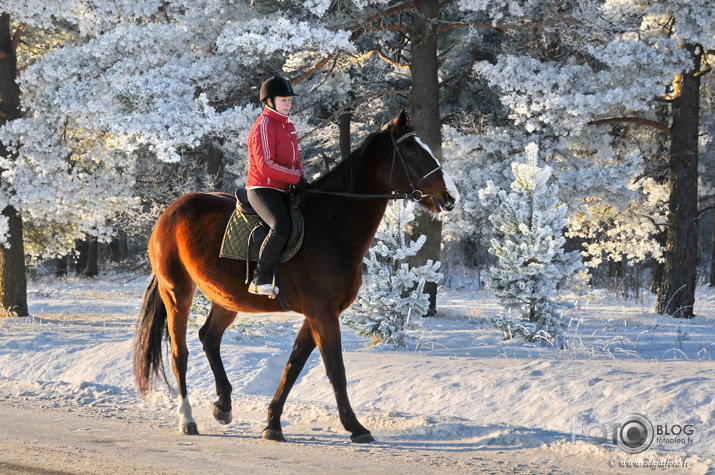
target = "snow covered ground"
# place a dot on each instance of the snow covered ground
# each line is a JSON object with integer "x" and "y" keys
{"x": 461, "y": 390}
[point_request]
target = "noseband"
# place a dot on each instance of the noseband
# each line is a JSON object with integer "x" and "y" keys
{"x": 416, "y": 194}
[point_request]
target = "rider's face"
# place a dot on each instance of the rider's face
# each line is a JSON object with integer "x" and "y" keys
{"x": 282, "y": 104}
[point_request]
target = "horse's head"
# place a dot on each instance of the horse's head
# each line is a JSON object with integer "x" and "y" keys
{"x": 415, "y": 169}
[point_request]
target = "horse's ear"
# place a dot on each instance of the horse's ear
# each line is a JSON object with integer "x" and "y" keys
{"x": 401, "y": 122}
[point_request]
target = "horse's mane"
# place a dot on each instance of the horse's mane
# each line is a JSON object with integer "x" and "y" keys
{"x": 341, "y": 178}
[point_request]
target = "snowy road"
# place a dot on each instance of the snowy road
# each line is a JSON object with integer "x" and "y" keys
{"x": 41, "y": 440}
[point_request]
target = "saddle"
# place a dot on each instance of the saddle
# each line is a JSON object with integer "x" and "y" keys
{"x": 246, "y": 231}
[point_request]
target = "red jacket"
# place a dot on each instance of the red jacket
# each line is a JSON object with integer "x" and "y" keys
{"x": 274, "y": 159}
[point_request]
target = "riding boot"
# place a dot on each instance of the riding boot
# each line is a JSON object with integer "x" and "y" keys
{"x": 271, "y": 248}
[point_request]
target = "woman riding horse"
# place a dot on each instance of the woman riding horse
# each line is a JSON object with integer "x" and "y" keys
{"x": 341, "y": 216}
{"x": 273, "y": 166}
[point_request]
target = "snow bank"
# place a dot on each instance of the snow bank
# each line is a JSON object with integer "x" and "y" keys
{"x": 461, "y": 385}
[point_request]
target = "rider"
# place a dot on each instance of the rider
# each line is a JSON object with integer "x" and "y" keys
{"x": 274, "y": 165}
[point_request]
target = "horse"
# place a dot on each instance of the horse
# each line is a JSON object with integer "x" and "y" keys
{"x": 341, "y": 216}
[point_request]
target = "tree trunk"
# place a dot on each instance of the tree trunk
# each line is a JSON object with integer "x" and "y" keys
{"x": 712, "y": 254}
{"x": 424, "y": 98}
{"x": 118, "y": 248}
{"x": 657, "y": 268}
{"x": 653, "y": 167}
{"x": 676, "y": 295}
{"x": 87, "y": 260}
{"x": 215, "y": 167}
{"x": 13, "y": 283}
{"x": 344, "y": 129}
{"x": 81, "y": 251}
{"x": 91, "y": 267}
{"x": 60, "y": 266}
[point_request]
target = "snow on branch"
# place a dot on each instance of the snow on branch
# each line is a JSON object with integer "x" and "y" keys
{"x": 270, "y": 36}
{"x": 632, "y": 120}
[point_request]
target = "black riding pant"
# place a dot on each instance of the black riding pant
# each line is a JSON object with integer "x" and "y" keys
{"x": 273, "y": 206}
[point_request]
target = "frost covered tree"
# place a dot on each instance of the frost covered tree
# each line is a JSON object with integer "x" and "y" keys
{"x": 531, "y": 263}
{"x": 584, "y": 65}
{"x": 393, "y": 294}
{"x": 122, "y": 88}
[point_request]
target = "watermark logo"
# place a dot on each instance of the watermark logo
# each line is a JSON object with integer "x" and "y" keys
{"x": 634, "y": 433}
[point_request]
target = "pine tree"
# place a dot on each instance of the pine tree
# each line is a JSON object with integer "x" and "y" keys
{"x": 611, "y": 87}
{"x": 394, "y": 292}
{"x": 531, "y": 261}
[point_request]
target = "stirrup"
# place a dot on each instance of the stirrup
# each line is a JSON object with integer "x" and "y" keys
{"x": 263, "y": 289}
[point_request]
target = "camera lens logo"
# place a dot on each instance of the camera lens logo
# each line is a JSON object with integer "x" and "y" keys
{"x": 635, "y": 434}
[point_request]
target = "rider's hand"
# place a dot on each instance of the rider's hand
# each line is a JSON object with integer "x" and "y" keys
{"x": 302, "y": 184}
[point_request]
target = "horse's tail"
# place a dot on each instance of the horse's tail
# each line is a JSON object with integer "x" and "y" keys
{"x": 150, "y": 332}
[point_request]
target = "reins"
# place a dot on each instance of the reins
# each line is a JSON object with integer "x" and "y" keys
{"x": 416, "y": 194}
{"x": 392, "y": 196}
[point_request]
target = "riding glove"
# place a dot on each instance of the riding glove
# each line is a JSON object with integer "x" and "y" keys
{"x": 302, "y": 184}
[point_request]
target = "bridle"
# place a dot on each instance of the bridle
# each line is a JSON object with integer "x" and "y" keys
{"x": 416, "y": 194}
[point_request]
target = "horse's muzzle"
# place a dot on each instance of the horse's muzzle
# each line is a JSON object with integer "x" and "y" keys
{"x": 447, "y": 202}
{"x": 443, "y": 203}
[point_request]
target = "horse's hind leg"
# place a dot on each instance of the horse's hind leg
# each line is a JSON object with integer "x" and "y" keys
{"x": 177, "y": 298}
{"x": 210, "y": 335}
{"x": 326, "y": 332}
{"x": 302, "y": 348}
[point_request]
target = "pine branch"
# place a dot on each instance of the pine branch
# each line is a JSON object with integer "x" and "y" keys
{"x": 313, "y": 69}
{"x": 661, "y": 227}
{"x": 703, "y": 72}
{"x": 358, "y": 27}
{"x": 351, "y": 105}
{"x": 369, "y": 22}
{"x": 367, "y": 55}
{"x": 632, "y": 120}
{"x": 16, "y": 37}
{"x": 524, "y": 26}
{"x": 703, "y": 200}
{"x": 362, "y": 24}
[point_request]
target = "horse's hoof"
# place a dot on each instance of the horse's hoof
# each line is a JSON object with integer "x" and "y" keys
{"x": 274, "y": 435}
{"x": 221, "y": 416}
{"x": 362, "y": 438}
{"x": 189, "y": 428}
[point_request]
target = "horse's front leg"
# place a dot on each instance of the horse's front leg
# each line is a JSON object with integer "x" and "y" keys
{"x": 326, "y": 332}
{"x": 210, "y": 335}
{"x": 302, "y": 348}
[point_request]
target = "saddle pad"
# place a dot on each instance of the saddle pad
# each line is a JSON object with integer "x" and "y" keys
{"x": 245, "y": 234}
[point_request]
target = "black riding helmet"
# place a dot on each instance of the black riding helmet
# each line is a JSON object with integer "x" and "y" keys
{"x": 276, "y": 86}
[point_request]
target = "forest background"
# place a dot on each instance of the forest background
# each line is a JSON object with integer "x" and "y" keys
{"x": 111, "y": 109}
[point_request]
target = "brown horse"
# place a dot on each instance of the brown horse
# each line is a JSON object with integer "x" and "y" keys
{"x": 320, "y": 282}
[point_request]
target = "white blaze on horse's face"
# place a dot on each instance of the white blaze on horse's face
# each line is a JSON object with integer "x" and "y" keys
{"x": 448, "y": 182}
